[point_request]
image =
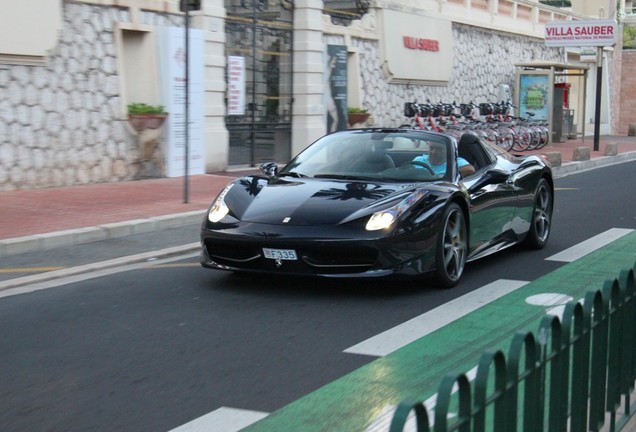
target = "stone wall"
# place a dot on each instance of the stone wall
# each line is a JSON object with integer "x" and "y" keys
{"x": 483, "y": 60}
{"x": 61, "y": 124}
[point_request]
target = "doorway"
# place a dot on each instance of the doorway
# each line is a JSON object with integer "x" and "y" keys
{"x": 259, "y": 40}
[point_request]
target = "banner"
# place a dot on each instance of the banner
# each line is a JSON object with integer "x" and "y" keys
{"x": 336, "y": 88}
{"x": 236, "y": 85}
{"x": 173, "y": 78}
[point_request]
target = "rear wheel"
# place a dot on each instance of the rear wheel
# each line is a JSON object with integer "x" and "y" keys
{"x": 541, "y": 222}
{"x": 452, "y": 247}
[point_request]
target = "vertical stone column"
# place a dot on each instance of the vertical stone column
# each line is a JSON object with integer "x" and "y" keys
{"x": 216, "y": 137}
{"x": 308, "y": 122}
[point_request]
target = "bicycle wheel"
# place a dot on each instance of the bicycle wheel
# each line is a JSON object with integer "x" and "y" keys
{"x": 506, "y": 138}
{"x": 544, "y": 134}
{"x": 535, "y": 138}
{"x": 521, "y": 139}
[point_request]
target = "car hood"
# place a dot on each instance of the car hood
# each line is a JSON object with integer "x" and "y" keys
{"x": 309, "y": 201}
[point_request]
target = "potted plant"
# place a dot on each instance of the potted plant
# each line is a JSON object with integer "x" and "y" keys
{"x": 143, "y": 116}
{"x": 357, "y": 115}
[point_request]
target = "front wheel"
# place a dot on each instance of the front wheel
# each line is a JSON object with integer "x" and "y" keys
{"x": 452, "y": 247}
{"x": 541, "y": 222}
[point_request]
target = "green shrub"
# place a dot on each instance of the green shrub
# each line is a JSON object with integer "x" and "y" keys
{"x": 629, "y": 37}
{"x": 142, "y": 108}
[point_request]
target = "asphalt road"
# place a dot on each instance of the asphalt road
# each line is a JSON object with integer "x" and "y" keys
{"x": 164, "y": 342}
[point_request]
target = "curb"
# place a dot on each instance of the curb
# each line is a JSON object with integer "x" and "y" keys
{"x": 580, "y": 166}
{"x": 39, "y": 242}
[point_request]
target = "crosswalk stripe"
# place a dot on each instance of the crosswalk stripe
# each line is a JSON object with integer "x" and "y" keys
{"x": 598, "y": 241}
{"x": 420, "y": 326}
{"x": 224, "y": 419}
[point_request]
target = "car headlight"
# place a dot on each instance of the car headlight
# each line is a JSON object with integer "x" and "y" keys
{"x": 384, "y": 218}
{"x": 219, "y": 209}
{"x": 381, "y": 220}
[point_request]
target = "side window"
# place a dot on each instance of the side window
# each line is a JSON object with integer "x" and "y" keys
{"x": 487, "y": 152}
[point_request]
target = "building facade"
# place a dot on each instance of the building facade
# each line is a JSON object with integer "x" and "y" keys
{"x": 261, "y": 77}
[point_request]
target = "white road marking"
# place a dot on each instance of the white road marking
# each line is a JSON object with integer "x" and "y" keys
{"x": 549, "y": 299}
{"x": 590, "y": 245}
{"x": 405, "y": 333}
{"x": 71, "y": 275}
{"x": 223, "y": 419}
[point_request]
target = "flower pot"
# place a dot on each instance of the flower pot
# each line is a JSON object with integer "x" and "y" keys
{"x": 358, "y": 117}
{"x": 146, "y": 121}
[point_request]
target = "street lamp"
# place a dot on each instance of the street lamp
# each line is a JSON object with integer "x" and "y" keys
{"x": 187, "y": 6}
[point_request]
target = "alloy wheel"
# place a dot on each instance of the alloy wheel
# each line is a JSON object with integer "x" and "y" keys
{"x": 454, "y": 245}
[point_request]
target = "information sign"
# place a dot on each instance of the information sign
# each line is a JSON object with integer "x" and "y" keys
{"x": 594, "y": 33}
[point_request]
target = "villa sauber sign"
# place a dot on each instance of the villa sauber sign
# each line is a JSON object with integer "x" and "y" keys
{"x": 580, "y": 33}
{"x": 421, "y": 43}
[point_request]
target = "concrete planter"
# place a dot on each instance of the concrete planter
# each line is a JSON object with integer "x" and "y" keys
{"x": 142, "y": 122}
{"x": 358, "y": 117}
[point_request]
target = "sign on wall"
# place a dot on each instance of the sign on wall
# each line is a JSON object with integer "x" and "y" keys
{"x": 173, "y": 78}
{"x": 236, "y": 85}
{"x": 580, "y": 33}
{"x": 416, "y": 48}
{"x": 336, "y": 88}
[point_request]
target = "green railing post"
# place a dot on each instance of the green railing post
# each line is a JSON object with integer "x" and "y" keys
{"x": 598, "y": 309}
{"x": 626, "y": 280}
{"x": 612, "y": 290}
{"x": 402, "y": 413}
{"x": 577, "y": 323}
{"x": 442, "y": 407}
{"x": 551, "y": 327}
{"x": 482, "y": 400}
{"x": 531, "y": 374}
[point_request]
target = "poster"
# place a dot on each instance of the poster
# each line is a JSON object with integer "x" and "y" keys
{"x": 236, "y": 85}
{"x": 173, "y": 83}
{"x": 533, "y": 96}
{"x": 336, "y": 88}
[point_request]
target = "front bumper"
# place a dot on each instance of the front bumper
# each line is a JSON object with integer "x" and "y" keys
{"x": 320, "y": 251}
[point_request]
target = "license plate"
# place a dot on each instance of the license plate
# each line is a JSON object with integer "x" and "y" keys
{"x": 280, "y": 254}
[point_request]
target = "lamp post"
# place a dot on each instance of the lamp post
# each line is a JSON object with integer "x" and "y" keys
{"x": 186, "y": 6}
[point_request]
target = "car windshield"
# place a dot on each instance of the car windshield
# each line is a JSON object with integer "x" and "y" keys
{"x": 391, "y": 155}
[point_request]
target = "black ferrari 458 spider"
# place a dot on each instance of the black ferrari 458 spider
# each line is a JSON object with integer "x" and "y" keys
{"x": 380, "y": 202}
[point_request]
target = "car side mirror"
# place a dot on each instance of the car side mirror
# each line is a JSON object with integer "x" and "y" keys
{"x": 270, "y": 169}
{"x": 492, "y": 176}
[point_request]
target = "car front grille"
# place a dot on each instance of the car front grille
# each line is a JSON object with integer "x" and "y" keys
{"x": 318, "y": 258}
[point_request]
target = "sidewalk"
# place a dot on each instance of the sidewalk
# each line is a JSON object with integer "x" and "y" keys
{"x": 46, "y": 218}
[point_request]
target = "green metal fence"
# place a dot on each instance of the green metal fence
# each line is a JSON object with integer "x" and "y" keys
{"x": 568, "y": 376}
